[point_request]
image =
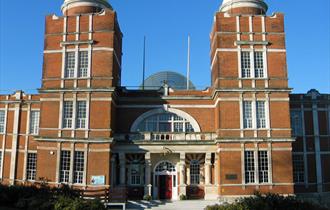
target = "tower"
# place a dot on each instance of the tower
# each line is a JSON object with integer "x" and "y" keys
{"x": 249, "y": 74}
{"x": 81, "y": 70}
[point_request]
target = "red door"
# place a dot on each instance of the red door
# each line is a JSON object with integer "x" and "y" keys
{"x": 165, "y": 187}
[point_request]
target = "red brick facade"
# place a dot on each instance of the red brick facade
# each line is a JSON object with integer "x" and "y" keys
{"x": 229, "y": 140}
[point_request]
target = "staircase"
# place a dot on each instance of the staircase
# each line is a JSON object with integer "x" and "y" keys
{"x": 170, "y": 205}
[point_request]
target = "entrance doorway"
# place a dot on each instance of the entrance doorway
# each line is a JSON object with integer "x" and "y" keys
{"x": 165, "y": 179}
{"x": 165, "y": 187}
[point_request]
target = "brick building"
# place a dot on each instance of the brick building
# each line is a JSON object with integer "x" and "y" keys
{"x": 86, "y": 130}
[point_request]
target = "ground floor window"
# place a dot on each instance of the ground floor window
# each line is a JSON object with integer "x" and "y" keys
{"x": 256, "y": 169}
{"x": 135, "y": 170}
{"x": 65, "y": 166}
{"x": 31, "y": 166}
{"x": 78, "y": 170}
{"x": 298, "y": 169}
{"x": 194, "y": 172}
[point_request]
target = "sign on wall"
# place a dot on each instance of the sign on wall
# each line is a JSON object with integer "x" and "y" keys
{"x": 98, "y": 180}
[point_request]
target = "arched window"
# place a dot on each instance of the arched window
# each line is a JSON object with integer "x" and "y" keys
{"x": 165, "y": 122}
{"x": 194, "y": 172}
{"x": 165, "y": 167}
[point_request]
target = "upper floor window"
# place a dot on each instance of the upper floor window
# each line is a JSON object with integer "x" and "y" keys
{"x": 247, "y": 68}
{"x": 2, "y": 121}
{"x": 296, "y": 123}
{"x": 70, "y": 63}
{"x": 81, "y": 114}
{"x": 166, "y": 122}
{"x": 82, "y": 64}
{"x": 254, "y": 112}
{"x": 298, "y": 169}
{"x": 34, "y": 122}
{"x": 67, "y": 114}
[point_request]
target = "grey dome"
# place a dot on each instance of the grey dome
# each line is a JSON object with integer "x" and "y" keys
{"x": 174, "y": 80}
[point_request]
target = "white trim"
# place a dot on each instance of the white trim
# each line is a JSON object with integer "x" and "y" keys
{"x": 175, "y": 173}
{"x": 13, "y": 158}
{"x": 180, "y": 113}
{"x": 317, "y": 149}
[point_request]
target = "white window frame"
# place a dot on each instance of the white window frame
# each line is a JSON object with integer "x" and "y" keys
{"x": 68, "y": 110}
{"x": 259, "y": 119}
{"x": 195, "y": 172}
{"x": 135, "y": 178}
{"x": 298, "y": 168}
{"x": 79, "y": 167}
{"x": 34, "y": 122}
{"x": 2, "y": 121}
{"x": 249, "y": 167}
{"x": 247, "y": 114}
{"x": 77, "y": 64}
{"x": 1, "y": 152}
{"x": 261, "y": 114}
{"x": 263, "y": 166}
{"x": 252, "y": 64}
{"x": 31, "y": 166}
{"x": 65, "y": 164}
{"x": 81, "y": 116}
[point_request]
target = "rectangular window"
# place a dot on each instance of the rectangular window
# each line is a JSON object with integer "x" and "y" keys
{"x": 249, "y": 167}
{"x": 298, "y": 169}
{"x": 70, "y": 63}
{"x": 67, "y": 114}
{"x": 247, "y": 114}
{"x": 246, "y": 64}
{"x": 2, "y": 121}
{"x": 34, "y": 122}
{"x": 83, "y": 64}
{"x": 296, "y": 123}
{"x": 259, "y": 65}
{"x": 81, "y": 114}
{"x": 78, "y": 169}
{"x": 261, "y": 116}
{"x": 31, "y": 166}
{"x": 65, "y": 166}
{"x": 263, "y": 167}
{"x": 135, "y": 174}
{"x": 194, "y": 172}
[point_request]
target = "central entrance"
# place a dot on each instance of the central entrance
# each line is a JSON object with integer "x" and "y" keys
{"x": 165, "y": 181}
{"x": 165, "y": 187}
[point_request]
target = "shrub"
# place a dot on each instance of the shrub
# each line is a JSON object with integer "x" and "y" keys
{"x": 268, "y": 202}
{"x": 147, "y": 197}
{"x": 183, "y": 197}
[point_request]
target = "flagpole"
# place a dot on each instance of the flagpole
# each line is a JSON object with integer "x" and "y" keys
{"x": 144, "y": 61}
{"x": 188, "y": 64}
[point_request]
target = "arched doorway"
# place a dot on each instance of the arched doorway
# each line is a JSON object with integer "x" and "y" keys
{"x": 165, "y": 181}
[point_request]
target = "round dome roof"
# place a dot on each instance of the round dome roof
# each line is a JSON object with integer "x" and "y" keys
{"x": 172, "y": 79}
{"x": 75, "y": 7}
{"x": 228, "y": 5}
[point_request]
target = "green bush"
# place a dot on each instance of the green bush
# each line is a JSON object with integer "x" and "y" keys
{"x": 268, "y": 202}
{"x": 147, "y": 197}
{"x": 45, "y": 198}
{"x": 183, "y": 197}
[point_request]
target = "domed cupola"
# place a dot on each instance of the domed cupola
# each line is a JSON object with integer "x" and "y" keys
{"x": 77, "y": 7}
{"x": 244, "y": 7}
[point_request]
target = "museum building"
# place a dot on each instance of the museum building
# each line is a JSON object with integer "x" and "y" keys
{"x": 246, "y": 132}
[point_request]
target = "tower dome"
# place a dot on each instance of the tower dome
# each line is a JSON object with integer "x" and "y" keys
{"x": 251, "y": 7}
{"x": 76, "y": 7}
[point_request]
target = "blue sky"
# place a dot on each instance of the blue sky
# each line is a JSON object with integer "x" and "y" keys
{"x": 166, "y": 23}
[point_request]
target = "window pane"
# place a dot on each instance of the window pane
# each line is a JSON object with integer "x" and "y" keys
{"x": 249, "y": 167}
{"x": 70, "y": 63}
{"x": 194, "y": 172}
{"x": 31, "y": 167}
{"x": 65, "y": 166}
{"x": 78, "y": 169}
{"x": 261, "y": 117}
{"x": 34, "y": 122}
{"x": 246, "y": 64}
{"x": 2, "y": 121}
{"x": 296, "y": 123}
{"x": 298, "y": 169}
{"x": 263, "y": 166}
{"x": 247, "y": 114}
{"x": 259, "y": 65}
{"x": 67, "y": 114}
{"x": 81, "y": 114}
{"x": 83, "y": 64}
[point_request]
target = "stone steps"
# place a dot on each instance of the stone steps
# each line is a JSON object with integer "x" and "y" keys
{"x": 170, "y": 205}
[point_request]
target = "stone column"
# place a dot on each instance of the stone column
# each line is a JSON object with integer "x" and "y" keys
{"x": 188, "y": 175}
{"x": 182, "y": 173}
{"x": 207, "y": 167}
{"x": 147, "y": 184}
{"x": 216, "y": 170}
{"x": 122, "y": 164}
{"x": 113, "y": 170}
